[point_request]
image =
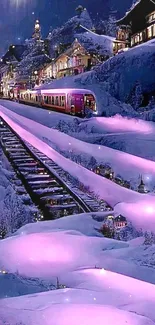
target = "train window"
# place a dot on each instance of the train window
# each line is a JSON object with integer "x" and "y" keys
{"x": 36, "y": 98}
{"x": 62, "y": 101}
{"x": 57, "y": 101}
{"x": 52, "y": 100}
{"x": 49, "y": 99}
{"x": 46, "y": 99}
{"x": 30, "y": 96}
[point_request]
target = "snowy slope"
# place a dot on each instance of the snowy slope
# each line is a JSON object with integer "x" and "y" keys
{"x": 130, "y": 167}
{"x": 123, "y": 71}
{"x": 75, "y": 224}
{"x": 58, "y": 314}
{"x": 133, "y": 205}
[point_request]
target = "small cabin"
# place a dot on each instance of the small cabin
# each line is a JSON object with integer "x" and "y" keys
{"x": 120, "y": 222}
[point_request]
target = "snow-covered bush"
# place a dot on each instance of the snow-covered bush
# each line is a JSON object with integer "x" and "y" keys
{"x": 149, "y": 238}
{"x": 136, "y": 96}
{"x": 129, "y": 232}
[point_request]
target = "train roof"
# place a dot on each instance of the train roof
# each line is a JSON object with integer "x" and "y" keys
{"x": 64, "y": 91}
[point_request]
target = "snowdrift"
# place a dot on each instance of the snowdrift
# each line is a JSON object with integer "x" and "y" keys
{"x": 121, "y": 72}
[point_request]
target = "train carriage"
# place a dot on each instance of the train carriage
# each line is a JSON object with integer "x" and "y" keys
{"x": 71, "y": 101}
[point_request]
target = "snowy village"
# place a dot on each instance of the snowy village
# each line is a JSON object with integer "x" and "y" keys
{"x": 77, "y": 163}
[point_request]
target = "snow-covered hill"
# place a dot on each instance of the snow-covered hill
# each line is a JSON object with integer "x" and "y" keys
{"x": 95, "y": 271}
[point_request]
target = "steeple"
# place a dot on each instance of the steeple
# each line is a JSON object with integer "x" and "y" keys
{"x": 141, "y": 186}
{"x": 37, "y": 30}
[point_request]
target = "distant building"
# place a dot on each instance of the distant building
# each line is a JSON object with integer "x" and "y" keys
{"x": 8, "y": 66}
{"x": 137, "y": 26}
{"x": 120, "y": 222}
{"x": 105, "y": 171}
{"x": 37, "y": 31}
{"x": 141, "y": 187}
{"x": 122, "y": 41}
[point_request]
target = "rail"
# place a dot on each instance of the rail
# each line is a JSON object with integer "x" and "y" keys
{"x": 25, "y": 159}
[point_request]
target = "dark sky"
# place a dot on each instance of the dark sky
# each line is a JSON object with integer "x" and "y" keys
{"x": 17, "y": 17}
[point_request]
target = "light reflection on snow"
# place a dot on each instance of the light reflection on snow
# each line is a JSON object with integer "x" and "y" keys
{"x": 102, "y": 271}
{"x": 119, "y": 123}
{"x": 150, "y": 209}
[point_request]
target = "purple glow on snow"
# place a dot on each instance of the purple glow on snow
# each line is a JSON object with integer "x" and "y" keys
{"x": 119, "y": 123}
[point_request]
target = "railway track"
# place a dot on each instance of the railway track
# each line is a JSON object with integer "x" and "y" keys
{"x": 44, "y": 180}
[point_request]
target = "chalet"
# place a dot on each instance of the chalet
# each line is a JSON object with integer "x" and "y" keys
{"x": 120, "y": 222}
{"x": 79, "y": 57}
{"x": 76, "y": 59}
{"x": 138, "y": 24}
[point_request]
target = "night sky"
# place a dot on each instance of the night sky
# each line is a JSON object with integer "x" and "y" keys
{"x": 17, "y": 17}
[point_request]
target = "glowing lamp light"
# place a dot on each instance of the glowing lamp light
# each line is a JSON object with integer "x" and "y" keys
{"x": 102, "y": 271}
{"x": 150, "y": 210}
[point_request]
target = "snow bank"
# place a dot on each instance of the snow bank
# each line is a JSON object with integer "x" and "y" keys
{"x": 76, "y": 314}
{"x": 50, "y": 254}
{"x": 83, "y": 223}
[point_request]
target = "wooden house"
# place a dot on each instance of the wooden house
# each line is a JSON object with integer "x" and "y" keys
{"x": 138, "y": 23}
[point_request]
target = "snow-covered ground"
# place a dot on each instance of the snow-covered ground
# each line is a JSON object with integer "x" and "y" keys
{"x": 138, "y": 208}
{"x": 100, "y": 294}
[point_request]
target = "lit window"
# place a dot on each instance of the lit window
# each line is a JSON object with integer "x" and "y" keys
{"x": 132, "y": 41}
{"x": 141, "y": 37}
{"x": 149, "y": 32}
{"x": 137, "y": 38}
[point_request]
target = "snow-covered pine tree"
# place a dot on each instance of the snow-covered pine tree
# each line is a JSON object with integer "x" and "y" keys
{"x": 148, "y": 239}
{"x": 130, "y": 232}
{"x": 79, "y": 9}
{"x": 85, "y": 20}
{"x": 151, "y": 104}
{"x": 136, "y": 96}
{"x": 92, "y": 163}
{"x": 110, "y": 26}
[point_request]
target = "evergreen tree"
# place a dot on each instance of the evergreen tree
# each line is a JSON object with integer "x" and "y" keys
{"x": 79, "y": 10}
{"x": 110, "y": 26}
{"x": 136, "y": 96}
{"x": 151, "y": 104}
{"x": 92, "y": 163}
{"x": 148, "y": 238}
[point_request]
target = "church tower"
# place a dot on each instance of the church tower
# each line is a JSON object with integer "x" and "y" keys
{"x": 141, "y": 186}
{"x": 37, "y": 31}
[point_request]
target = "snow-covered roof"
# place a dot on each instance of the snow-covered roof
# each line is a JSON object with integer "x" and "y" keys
{"x": 68, "y": 90}
{"x": 147, "y": 4}
{"x": 99, "y": 44}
